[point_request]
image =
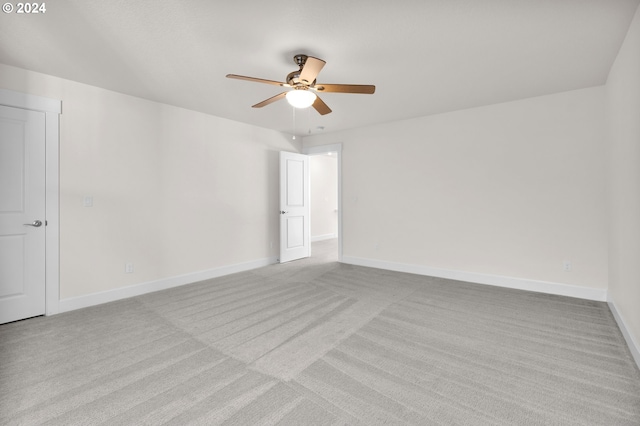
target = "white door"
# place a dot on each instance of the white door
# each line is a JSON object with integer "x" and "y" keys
{"x": 22, "y": 214}
{"x": 295, "y": 232}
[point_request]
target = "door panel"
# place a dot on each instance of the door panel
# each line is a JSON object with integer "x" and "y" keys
{"x": 12, "y": 273}
{"x": 295, "y": 232}
{"x": 295, "y": 187}
{"x": 22, "y": 203}
{"x": 11, "y": 173}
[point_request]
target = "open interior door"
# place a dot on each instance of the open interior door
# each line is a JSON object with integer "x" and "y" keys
{"x": 295, "y": 232}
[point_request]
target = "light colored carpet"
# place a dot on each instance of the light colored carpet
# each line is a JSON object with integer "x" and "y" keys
{"x": 315, "y": 342}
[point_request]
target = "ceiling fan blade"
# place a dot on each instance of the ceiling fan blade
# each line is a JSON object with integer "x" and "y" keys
{"x": 320, "y": 106}
{"x": 257, "y": 80}
{"x": 270, "y": 100}
{"x": 311, "y": 69}
{"x": 345, "y": 88}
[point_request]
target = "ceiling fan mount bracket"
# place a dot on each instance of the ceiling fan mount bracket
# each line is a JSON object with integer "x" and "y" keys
{"x": 300, "y": 60}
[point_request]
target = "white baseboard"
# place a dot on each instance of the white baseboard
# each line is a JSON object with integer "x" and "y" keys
{"x": 323, "y": 237}
{"x": 634, "y": 347}
{"x": 477, "y": 278}
{"x": 85, "y": 301}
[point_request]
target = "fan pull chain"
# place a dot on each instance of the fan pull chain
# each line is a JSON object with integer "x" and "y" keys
{"x": 294, "y": 123}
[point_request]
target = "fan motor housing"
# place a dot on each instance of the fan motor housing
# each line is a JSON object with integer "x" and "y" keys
{"x": 294, "y": 77}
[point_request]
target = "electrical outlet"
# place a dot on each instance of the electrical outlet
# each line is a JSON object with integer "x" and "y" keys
{"x": 566, "y": 265}
{"x": 128, "y": 268}
{"x": 87, "y": 201}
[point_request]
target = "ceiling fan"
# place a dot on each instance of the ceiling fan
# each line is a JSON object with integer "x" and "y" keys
{"x": 303, "y": 83}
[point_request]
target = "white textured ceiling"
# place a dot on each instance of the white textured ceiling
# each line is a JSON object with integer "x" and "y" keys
{"x": 424, "y": 56}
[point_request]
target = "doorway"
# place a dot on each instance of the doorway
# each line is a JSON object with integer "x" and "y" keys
{"x": 326, "y": 214}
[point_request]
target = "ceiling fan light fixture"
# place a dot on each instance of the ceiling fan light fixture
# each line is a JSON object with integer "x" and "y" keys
{"x": 300, "y": 98}
{"x": 303, "y": 83}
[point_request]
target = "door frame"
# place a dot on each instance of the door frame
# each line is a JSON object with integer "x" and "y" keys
{"x": 321, "y": 150}
{"x": 52, "y": 109}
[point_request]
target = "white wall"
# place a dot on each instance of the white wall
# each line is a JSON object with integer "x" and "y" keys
{"x": 324, "y": 197}
{"x": 174, "y": 191}
{"x": 623, "y": 107}
{"x": 510, "y": 190}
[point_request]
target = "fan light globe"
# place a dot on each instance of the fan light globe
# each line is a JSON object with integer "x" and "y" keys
{"x": 300, "y": 98}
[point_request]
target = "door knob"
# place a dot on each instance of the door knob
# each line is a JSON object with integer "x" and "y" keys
{"x": 35, "y": 224}
{"x": 283, "y": 212}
